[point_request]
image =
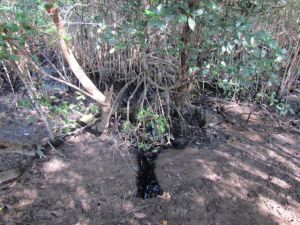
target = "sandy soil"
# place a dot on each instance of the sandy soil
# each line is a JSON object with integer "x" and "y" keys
{"x": 252, "y": 178}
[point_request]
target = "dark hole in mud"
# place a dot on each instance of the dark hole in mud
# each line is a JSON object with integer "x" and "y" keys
{"x": 146, "y": 181}
{"x": 182, "y": 135}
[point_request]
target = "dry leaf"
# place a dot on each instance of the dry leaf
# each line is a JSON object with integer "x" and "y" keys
{"x": 139, "y": 215}
{"x": 165, "y": 196}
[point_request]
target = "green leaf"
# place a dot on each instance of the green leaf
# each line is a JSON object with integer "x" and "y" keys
{"x": 36, "y": 59}
{"x": 280, "y": 58}
{"x": 97, "y": 19}
{"x": 262, "y": 35}
{"x": 192, "y": 23}
{"x": 273, "y": 44}
{"x": 155, "y": 23}
{"x": 256, "y": 53}
{"x": 7, "y": 9}
{"x": 21, "y": 17}
{"x": 12, "y": 27}
{"x": 154, "y": 2}
{"x": 194, "y": 53}
{"x": 149, "y": 13}
{"x": 182, "y": 18}
{"x": 67, "y": 37}
{"x": 198, "y": 12}
{"x": 223, "y": 49}
{"x": 122, "y": 45}
{"x": 80, "y": 97}
{"x": 185, "y": 7}
{"x": 112, "y": 50}
{"x": 214, "y": 6}
{"x": 51, "y": 30}
{"x": 229, "y": 48}
{"x": 131, "y": 30}
{"x": 252, "y": 42}
{"x": 13, "y": 57}
{"x": 291, "y": 110}
{"x": 159, "y": 9}
{"x": 41, "y": 22}
{"x": 193, "y": 69}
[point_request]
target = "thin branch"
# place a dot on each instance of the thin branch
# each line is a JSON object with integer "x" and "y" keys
{"x": 8, "y": 77}
{"x": 39, "y": 70}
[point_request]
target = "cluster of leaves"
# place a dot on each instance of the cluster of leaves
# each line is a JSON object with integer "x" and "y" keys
{"x": 226, "y": 48}
{"x": 20, "y": 22}
{"x": 62, "y": 111}
{"x": 159, "y": 16}
{"x": 243, "y": 62}
{"x": 150, "y": 130}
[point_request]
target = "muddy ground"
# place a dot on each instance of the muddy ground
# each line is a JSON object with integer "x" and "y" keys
{"x": 252, "y": 177}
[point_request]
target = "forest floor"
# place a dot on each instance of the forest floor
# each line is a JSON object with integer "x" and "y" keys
{"x": 252, "y": 177}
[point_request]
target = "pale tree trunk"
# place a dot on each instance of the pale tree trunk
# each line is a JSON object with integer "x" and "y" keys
{"x": 104, "y": 101}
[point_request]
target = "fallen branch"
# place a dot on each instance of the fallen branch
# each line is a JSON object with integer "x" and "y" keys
{"x": 10, "y": 175}
{"x": 23, "y": 149}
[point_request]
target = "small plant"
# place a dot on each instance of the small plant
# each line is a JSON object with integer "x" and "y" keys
{"x": 80, "y": 96}
{"x": 127, "y": 127}
{"x": 44, "y": 100}
{"x": 94, "y": 108}
{"x": 32, "y": 119}
{"x": 62, "y": 109}
{"x": 150, "y": 130}
{"x": 284, "y": 109}
{"x": 25, "y": 103}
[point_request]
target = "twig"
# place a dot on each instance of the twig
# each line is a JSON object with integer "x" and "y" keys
{"x": 135, "y": 210}
{"x": 249, "y": 115}
{"x": 272, "y": 117}
{"x": 219, "y": 110}
{"x": 39, "y": 70}
{"x": 55, "y": 150}
{"x": 123, "y": 90}
{"x": 131, "y": 96}
{"x": 8, "y": 77}
{"x": 76, "y": 131}
{"x": 16, "y": 221}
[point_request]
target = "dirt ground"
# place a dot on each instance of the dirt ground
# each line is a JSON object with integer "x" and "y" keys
{"x": 252, "y": 177}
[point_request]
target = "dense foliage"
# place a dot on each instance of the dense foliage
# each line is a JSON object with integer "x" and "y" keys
{"x": 235, "y": 46}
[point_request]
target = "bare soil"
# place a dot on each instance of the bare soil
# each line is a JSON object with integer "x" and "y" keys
{"x": 252, "y": 177}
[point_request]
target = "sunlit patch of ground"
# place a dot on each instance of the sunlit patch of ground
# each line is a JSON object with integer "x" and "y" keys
{"x": 253, "y": 178}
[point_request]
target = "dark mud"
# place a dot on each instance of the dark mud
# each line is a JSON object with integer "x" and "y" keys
{"x": 147, "y": 183}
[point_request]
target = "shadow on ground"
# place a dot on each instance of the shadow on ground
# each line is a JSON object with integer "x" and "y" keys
{"x": 251, "y": 179}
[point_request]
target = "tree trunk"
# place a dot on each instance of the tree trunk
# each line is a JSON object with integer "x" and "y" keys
{"x": 104, "y": 102}
{"x": 184, "y": 82}
{"x": 74, "y": 65}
